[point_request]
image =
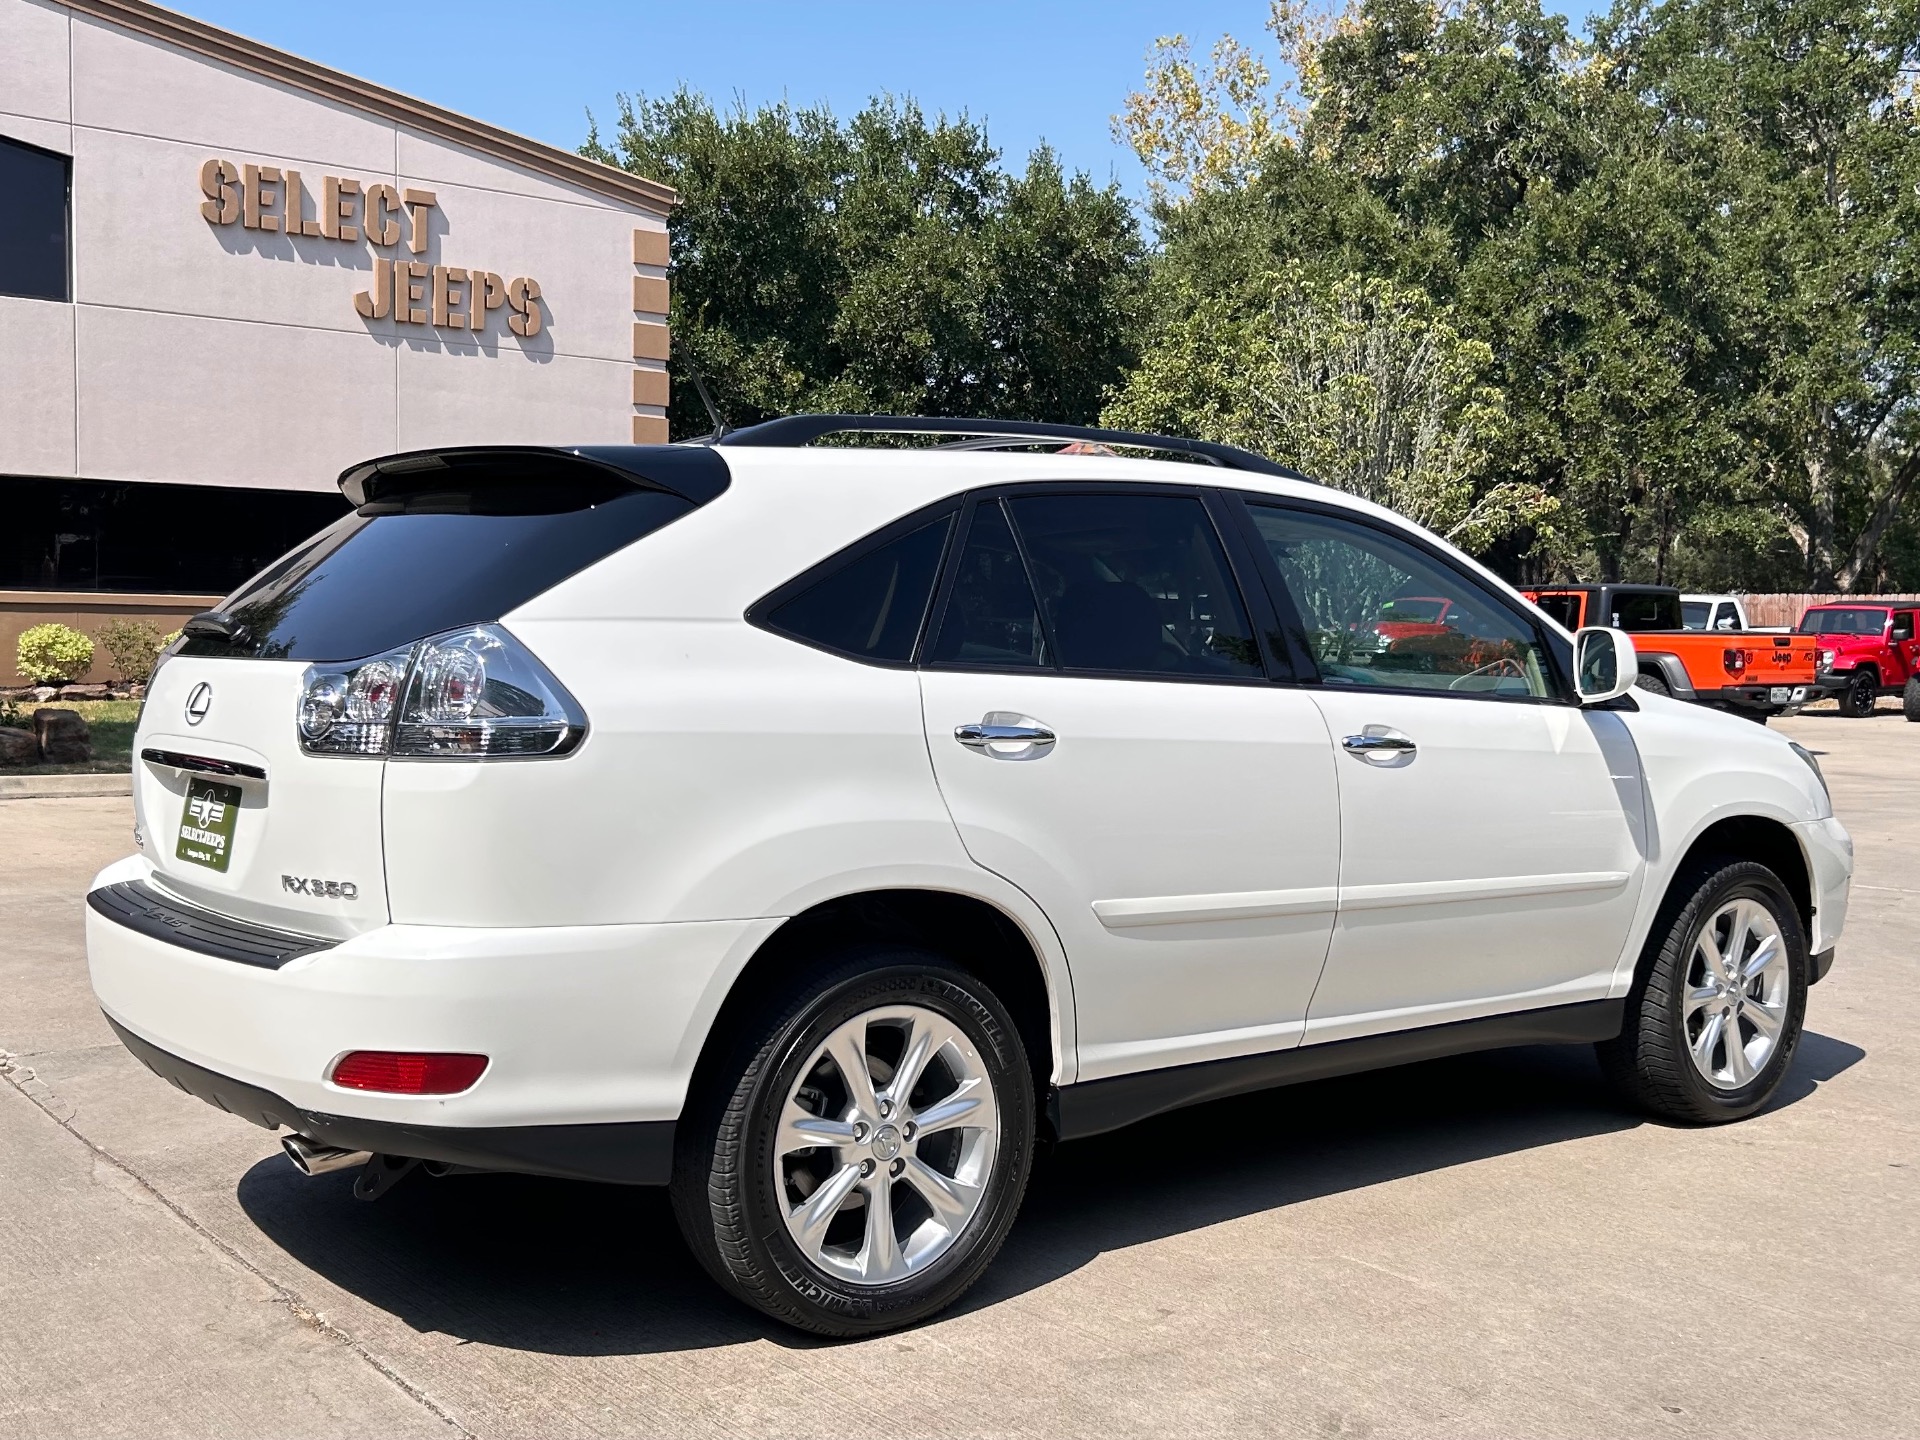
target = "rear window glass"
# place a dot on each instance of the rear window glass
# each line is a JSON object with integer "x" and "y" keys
{"x": 1694, "y": 614}
{"x": 1844, "y": 620}
{"x": 1564, "y": 609}
{"x": 1644, "y": 611}
{"x": 871, "y": 606}
{"x": 403, "y": 568}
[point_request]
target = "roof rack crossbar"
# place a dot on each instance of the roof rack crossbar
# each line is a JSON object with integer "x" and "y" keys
{"x": 997, "y": 434}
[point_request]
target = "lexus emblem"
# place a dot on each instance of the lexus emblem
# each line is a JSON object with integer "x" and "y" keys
{"x": 199, "y": 701}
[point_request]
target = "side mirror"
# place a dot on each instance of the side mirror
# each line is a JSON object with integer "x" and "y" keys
{"x": 1902, "y": 632}
{"x": 1604, "y": 664}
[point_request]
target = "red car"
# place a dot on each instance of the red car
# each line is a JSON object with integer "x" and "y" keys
{"x": 1867, "y": 650}
{"x": 1409, "y": 615}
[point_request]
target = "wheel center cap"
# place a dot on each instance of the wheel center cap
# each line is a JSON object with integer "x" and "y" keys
{"x": 886, "y": 1143}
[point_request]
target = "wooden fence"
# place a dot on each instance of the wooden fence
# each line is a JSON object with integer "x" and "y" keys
{"x": 1765, "y": 610}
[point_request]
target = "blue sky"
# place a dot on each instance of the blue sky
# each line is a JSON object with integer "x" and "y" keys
{"x": 1044, "y": 69}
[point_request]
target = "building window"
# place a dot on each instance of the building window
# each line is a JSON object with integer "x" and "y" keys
{"x": 186, "y": 539}
{"x": 34, "y": 189}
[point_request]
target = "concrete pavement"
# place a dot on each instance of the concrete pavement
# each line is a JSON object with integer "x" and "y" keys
{"x": 1482, "y": 1246}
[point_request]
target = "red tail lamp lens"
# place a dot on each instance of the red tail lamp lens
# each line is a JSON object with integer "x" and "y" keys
{"x": 1734, "y": 660}
{"x": 399, "y": 1072}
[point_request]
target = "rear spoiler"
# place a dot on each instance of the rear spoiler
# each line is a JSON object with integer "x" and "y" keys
{"x": 694, "y": 472}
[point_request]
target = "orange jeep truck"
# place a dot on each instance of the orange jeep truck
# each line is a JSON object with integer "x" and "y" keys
{"x": 1758, "y": 674}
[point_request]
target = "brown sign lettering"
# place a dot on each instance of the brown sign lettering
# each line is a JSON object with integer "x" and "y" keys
{"x": 409, "y": 292}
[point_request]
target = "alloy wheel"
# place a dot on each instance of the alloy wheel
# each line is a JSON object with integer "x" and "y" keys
{"x": 1736, "y": 996}
{"x": 885, "y": 1145}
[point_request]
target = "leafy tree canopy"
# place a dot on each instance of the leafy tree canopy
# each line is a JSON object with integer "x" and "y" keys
{"x": 1685, "y": 246}
{"x": 884, "y": 263}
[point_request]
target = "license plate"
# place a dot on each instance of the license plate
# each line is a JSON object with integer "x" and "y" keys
{"x": 1781, "y": 694}
{"x": 206, "y": 825}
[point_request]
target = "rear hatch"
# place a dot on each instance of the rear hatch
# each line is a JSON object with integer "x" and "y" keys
{"x": 237, "y": 818}
{"x": 233, "y": 810}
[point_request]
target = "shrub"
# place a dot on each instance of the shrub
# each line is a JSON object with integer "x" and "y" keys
{"x": 132, "y": 645}
{"x": 54, "y": 654}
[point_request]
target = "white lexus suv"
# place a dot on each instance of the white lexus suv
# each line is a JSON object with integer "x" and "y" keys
{"x": 815, "y": 829}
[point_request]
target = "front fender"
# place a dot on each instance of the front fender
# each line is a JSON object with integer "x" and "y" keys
{"x": 1700, "y": 768}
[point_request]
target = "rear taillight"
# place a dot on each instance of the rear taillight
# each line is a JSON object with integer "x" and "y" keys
{"x": 405, "y": 1072}
{"x": 1735, "y": 661}
{"x": 467, "y": 695}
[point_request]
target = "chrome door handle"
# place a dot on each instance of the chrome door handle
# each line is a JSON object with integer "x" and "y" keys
{"x": 1007, "y": 737}
{"x": 1381, "y": 745}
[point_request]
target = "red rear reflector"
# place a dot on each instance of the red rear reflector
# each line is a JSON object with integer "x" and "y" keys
{"x": 398, "y": 1072}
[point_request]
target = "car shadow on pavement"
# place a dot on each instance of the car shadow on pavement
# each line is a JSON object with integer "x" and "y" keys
{"x": 563, "y": 1268}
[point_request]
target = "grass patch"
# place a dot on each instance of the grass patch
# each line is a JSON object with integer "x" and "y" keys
{"x": 111, "y": 722}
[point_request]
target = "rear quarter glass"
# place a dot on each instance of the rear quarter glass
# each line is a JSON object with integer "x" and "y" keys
{"x": 427, "y": 560}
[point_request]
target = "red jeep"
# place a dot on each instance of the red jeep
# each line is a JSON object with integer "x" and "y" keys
{"x": 1867, "y": 650}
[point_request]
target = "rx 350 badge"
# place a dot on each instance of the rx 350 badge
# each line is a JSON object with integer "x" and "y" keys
{"x": 320, "y": 889}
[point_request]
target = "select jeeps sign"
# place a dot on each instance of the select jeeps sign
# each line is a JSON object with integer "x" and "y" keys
{"x": 411, "y": 292}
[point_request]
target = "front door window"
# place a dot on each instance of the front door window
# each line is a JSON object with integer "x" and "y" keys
{"x": 1378, "y": 613}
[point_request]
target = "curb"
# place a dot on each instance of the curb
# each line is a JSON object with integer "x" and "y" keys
{"x": 53, "y": 787}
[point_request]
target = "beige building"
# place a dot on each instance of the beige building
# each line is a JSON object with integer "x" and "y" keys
{"x": 226, "y": 273}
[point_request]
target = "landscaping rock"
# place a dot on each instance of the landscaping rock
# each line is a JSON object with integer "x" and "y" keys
{"x": 18, "y": 747}
{"x": 43, "y": 693}
{"x": 63, "y": 736}
{"x": 86, "y": 692}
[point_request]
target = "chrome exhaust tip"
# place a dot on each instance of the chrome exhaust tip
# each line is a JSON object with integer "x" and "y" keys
{"x": 310, "y": 1157}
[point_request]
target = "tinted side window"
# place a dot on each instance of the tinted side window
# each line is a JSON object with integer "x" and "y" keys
{"x": 871, "y": 606}
{"x": 991, "y": 618}
{"x": 1341, "y": 574}
{"x": 33, "y": 222}
{"x": 1136, "y": 583}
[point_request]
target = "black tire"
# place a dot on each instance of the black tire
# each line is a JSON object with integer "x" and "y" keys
{"x": 1910, "y": 699}
{"x": 1652, "y": 684}
{"x": 729, "y": 1205}
{"x": 1649, "y": 1061}
{"x": 1857, "y": 700}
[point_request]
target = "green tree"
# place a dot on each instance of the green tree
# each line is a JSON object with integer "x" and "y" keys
{"x": 1799, "y": 122}
{"x": 1361, "y": 383}
{"x": 883, "y": 263}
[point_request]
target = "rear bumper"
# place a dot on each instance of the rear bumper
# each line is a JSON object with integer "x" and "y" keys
{"x": 583, "y": 1025}
{"x": 1761, "y": 697}
{"x": 637, "y": 1153}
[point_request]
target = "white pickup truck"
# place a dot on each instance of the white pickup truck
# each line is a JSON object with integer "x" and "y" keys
{"x": 1713, "y": 612}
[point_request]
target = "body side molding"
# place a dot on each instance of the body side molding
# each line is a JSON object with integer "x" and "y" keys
{"x": 1443, "y": 892}
{"x": 1188, "y": 909}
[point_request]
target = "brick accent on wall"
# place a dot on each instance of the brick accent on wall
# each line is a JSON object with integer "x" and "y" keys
{"x": 651, "y": 296}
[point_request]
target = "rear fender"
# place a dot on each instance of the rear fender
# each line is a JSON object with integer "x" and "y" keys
{"x": 1669, "y": 669}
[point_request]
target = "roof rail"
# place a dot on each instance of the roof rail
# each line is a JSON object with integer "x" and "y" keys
{"x": 996, "y": 435}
